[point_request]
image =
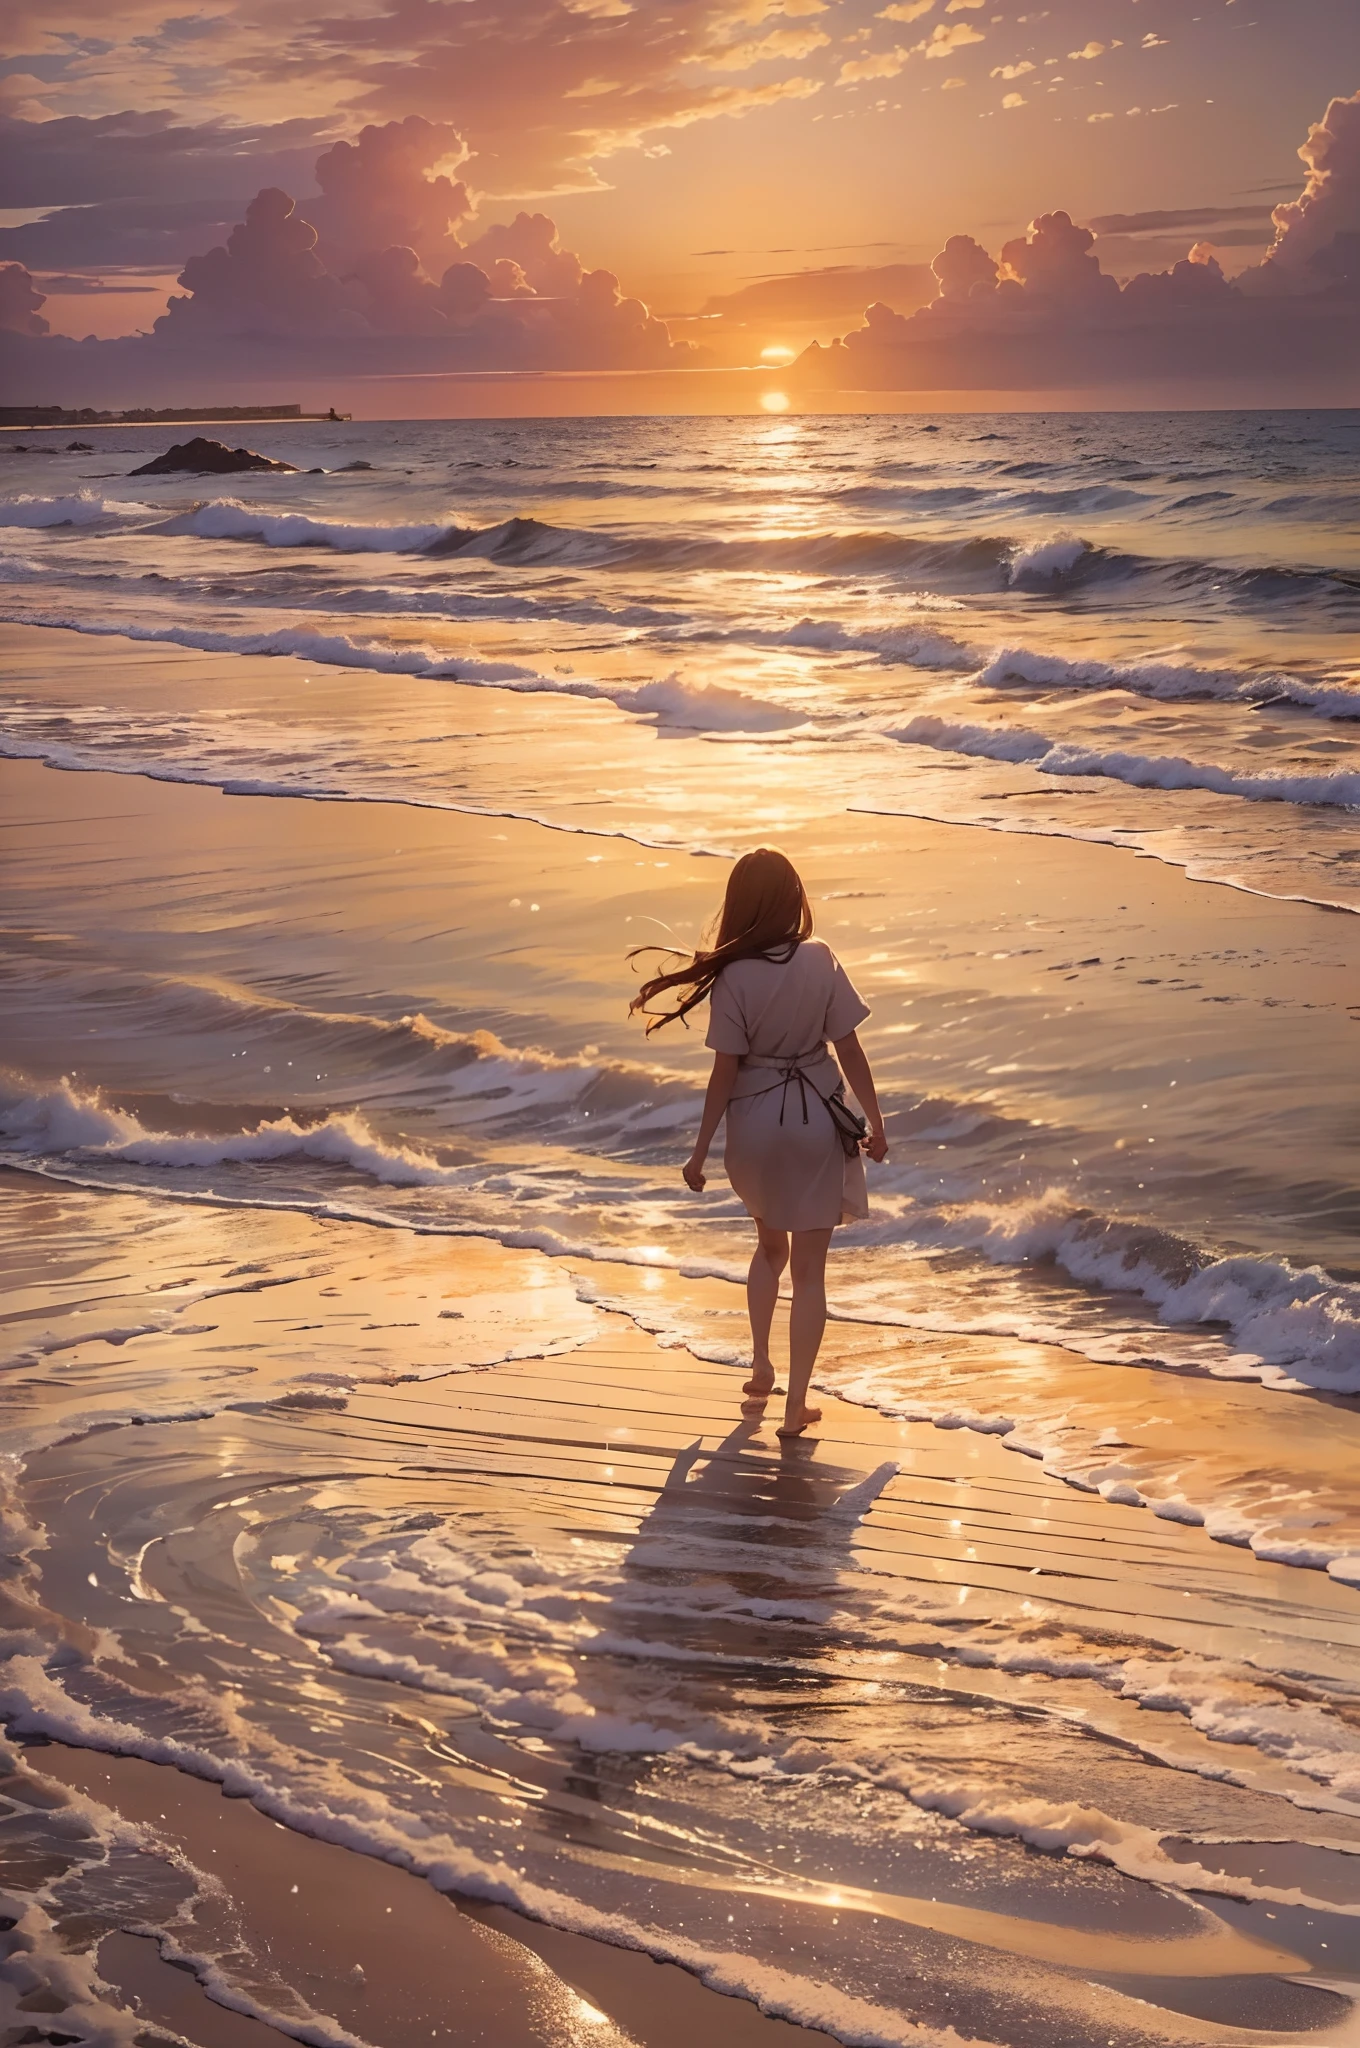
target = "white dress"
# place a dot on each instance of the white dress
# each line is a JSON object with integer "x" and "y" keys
{"x": 783, "y": 1154}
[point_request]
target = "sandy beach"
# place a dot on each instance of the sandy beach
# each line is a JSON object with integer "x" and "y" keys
{"x": 620, "y": 1444}
{"x": 385, "y": 1525}
{"x": 381, "y": 1513}
{"x": 679, "y": 1009}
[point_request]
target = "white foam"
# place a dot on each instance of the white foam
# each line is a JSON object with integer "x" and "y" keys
{"x": 229, "y": 519}
{"x": 318, "y": 1800}
{"x": 46, "y": 1969}
{"x": 1057, "y": 555}
{"x": 81, "y": 508}
{"x": 1166, "y": 681}
{"x": 67, "y": 1120}
{"x": 704, "y": 707}
{"x": 1087, "y": 1833}
{"x": 888, "y": 642}
{"x": 63, "y": 1984}
{"x": 1141, "y": 771}
{"x": 700, "y": 706}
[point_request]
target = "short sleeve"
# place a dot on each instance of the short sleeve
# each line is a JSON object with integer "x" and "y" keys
{"x": 726, "y": 1026}
{"x": 847, "y": 1008}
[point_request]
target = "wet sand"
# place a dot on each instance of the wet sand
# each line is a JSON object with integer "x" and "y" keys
{"x": 1040, "y": 1751}
{"x": 610, "y": 1427}
{"x": 379, "y": 1951}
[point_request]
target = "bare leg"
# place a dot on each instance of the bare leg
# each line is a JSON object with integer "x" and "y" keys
{"x": 807, "y": 1320}
{"x": 768, "y": 1261}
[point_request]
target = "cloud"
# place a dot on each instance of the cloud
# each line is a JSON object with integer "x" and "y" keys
{"x": 513, "y": 298}
{"x": 905, "y": 10}
{"x": 945, "y": 41}
{"x": 781, "y": 45}
{"x": 1020, "y": 70}
{"x": 20, "y": 93}
{"x": 1048, "y": 315}
{"x": 378, "y": 191}
{"x": 90, "y": 287}
{"x": 1091, "y": 51}
{"x": 267, "y": 280}
{"x": 355, "y": 280}
{"x": 20, "y": 301}
{"x": 886, "y": 64}
{"x": 74, "y": 160}
{"x": 1159, "y": 222}
{"x": 1308, "y": 228}
{"x": 964, "y": 267}
{"x": 829, "y": 293}
{"x": 530, "y": 243}
{"x": 543, "y": 89}
{"x": 116, "y": 234}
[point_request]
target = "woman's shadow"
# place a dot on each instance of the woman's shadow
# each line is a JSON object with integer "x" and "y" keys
{"x": 736, "y": 1582}
{"x": 745, "y": 1539}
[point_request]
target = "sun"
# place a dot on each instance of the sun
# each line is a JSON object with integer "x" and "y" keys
{"x": 775, "y": 401}
{"x": 777, "y": 352}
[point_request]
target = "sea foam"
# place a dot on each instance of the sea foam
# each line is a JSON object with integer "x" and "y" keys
{"x": 1048, "y": 756}
{"x": 229, "y": 519}
{"x": 81, "y": 508}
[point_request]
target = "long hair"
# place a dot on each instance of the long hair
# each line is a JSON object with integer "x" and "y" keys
{"x": 765, "y": 915}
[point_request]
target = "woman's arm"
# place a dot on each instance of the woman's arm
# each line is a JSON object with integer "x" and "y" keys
{"x": 721, "y": 1082}
{"x": 855, "y": 1067}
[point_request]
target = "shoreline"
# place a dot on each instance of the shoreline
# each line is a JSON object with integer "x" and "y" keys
{"x": 379, "y": 1950}
{"x": 611, "y": 1415}
{"x": 146, "y": 812}
{"x": 345, "y": 660}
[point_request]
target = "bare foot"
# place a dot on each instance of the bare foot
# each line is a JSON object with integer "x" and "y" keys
{"x": 761, "y": 1383}
{"x": 794, "y": 1425}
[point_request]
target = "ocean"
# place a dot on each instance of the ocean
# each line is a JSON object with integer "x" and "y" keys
{"x": 1060, "y": 716}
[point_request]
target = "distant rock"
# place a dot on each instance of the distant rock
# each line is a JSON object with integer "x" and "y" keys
{"x": 80, "y": 448}
{"x": 201, "y": 457}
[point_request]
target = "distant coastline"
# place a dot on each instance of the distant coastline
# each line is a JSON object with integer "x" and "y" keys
{"x": 149, "y": 416}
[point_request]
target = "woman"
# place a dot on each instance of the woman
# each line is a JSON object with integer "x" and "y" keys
{"x": 777, "y": 995}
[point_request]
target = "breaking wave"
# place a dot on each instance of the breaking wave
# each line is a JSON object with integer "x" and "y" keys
{"x": 1296, "y": 1329}
{"x": 1141, "y": 771}
{"x": 81, "y": 508}
{"x": 228, "y": 519}
{"x": 1056, "y": 563}
{"x": 671, "y": 701}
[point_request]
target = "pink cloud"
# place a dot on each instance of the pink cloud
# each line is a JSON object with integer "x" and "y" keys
{"x": 347, "y": 279}
{"x": 1329, "y": 205}
{"x": 1047, "y": 314}
{"x": 268, "y": 279}
{"x": 379, "y": 191}
{"x": 20, "y": 302}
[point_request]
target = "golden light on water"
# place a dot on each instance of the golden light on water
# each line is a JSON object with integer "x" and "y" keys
{"x": 775, "y": 401}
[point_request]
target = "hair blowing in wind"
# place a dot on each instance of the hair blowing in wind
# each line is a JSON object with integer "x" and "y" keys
{"x": 765, "y": 912}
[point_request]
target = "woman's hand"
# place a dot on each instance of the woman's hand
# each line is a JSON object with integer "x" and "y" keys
{"x": 716, "y": 1097}
{"x": 876, "y": 1144}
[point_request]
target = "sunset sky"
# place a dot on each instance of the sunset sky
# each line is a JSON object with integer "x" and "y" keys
{"x": 757, "y": 173}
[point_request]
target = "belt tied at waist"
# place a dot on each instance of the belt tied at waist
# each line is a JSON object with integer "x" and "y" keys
{"x": 787, "y": 1070}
